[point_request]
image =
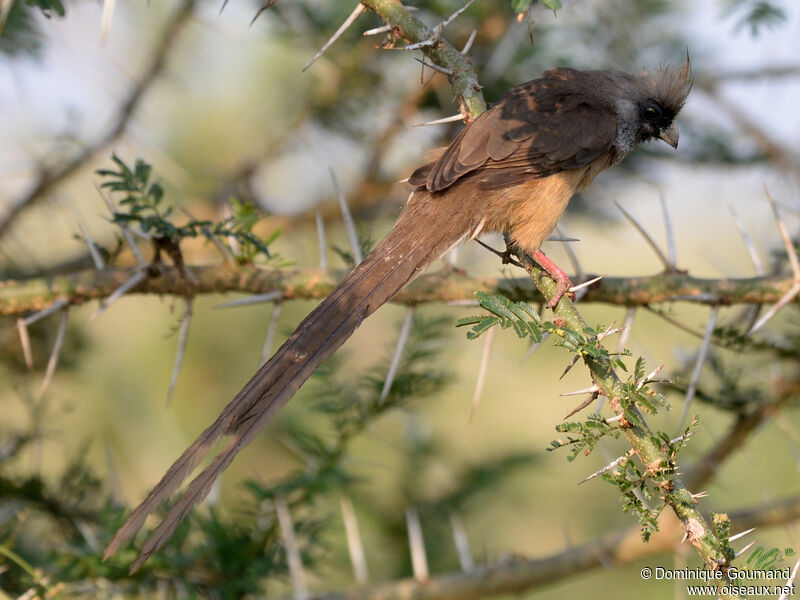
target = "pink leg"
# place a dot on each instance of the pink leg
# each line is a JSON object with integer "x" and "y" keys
{"x": 562, "y": 279}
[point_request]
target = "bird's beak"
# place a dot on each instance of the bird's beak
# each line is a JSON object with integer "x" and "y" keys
{"x": 670, "y": 135}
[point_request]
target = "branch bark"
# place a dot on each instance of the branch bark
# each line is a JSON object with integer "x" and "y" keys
{"x": 463, "y": 80}
{"x": 19, "y": 297}
{"x": 613, "y": 550}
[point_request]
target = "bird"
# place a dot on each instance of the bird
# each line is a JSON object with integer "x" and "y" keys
{"x": 512, "y": 170}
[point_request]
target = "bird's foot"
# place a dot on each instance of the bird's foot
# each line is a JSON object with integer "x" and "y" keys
{"x": 562, "y": 280}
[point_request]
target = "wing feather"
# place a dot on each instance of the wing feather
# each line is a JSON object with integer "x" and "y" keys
{"x": 539, "y": 128}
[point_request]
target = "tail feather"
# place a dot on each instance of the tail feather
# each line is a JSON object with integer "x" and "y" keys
{"x": 418, "y": 238}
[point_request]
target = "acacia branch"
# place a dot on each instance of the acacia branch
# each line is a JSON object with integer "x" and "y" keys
{"x": 19, "y": 297}
{"x": 612, "y": 550}
{"x": 649, "y": 449}
{"x": 49, "y": 178}
{"x": 462, "y": 78}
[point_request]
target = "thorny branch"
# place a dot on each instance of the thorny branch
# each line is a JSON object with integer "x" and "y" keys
{"x": 20, "y": 297}
{"x": 440, "y": 52}
{"x": 612, "y": 550}
{"x": 698, "y": 531}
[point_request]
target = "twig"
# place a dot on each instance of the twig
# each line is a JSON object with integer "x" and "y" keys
{"x": 21, "y": 297}
{"x": 349, "y": 21}
{"x": 398, "y": 354}
{"x": 437, "y": 31}
{"x": 698, "y": 366}
{"x": 463, "y": 82}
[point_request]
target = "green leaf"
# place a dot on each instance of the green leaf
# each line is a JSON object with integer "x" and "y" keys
{"x": 553, "y": 5}
{"x": 519, "y": 6}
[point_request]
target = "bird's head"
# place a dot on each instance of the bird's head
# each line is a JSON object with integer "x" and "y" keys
{"x": 662, "y": 94}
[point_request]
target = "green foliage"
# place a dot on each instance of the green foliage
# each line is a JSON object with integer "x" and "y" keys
{"x": 20, "y": 35}
{"x": 761, "y": 558}
{"x": 758, "y": 14}
{"x": 588, "y": 434}
{"x": 48, "y": 7}
{"x": 637, "y": 491}
{"x": 143, "y": 204}
{"x": 520, "y": 6}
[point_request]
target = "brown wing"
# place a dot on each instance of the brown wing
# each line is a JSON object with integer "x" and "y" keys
{"x": 539, "y": 128}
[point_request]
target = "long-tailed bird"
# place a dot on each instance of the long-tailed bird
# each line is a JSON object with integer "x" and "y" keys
{"x": 512, "y": 170}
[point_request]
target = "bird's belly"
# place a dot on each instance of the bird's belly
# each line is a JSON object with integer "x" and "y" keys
{"x": 530, "y": 210}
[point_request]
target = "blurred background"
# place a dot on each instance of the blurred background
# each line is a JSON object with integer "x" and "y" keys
{"x": 221, "y": 109}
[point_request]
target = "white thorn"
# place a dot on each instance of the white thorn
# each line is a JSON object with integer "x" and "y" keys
{"x": 377, "y": 30}
{"x": 105, "y": 21}
{"x": 462, "y": 543}
{"x": 742, "y": 534}
{"x": 349, "y": 224}
{"x": 468, "y": 46}
{"x": 398, "y": 354}
{"x": 589, "y": 390}
{"x": 419, "y": 561}
{"x": 272, "y": 329}
{"x": 698, "y": 366}
{"x": 55, "y": 353}
{"x": 323, "y": 245}
{"x": 354, "y": 545}
{"x": 748, "y": 242}
{"x": 785, "y": 299}
{"x": 745, "y": 549}
{"x": 585, "y": 284}
{"x": 25, "y": 341}
{"x": 789, "y": 582}
{"x": 292, "y": 552}
{"x": 450, "y": 119}
{"x": 256, "y": 299}
{"x": 484, "y": 367}
{"x": 664, "y": 260}
{"x": 349, "y": 21}
{"x": 183, "y": 337}
{"x": 45, "y": 312}
{"x": 673, "y": 253}
{"x": 128, "y": 285}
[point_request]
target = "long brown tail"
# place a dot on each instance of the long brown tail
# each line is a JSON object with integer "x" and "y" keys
{"x": 425, "y": 230}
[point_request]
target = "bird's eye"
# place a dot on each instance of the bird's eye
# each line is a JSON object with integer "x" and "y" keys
{"x": 651, "y": 112}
